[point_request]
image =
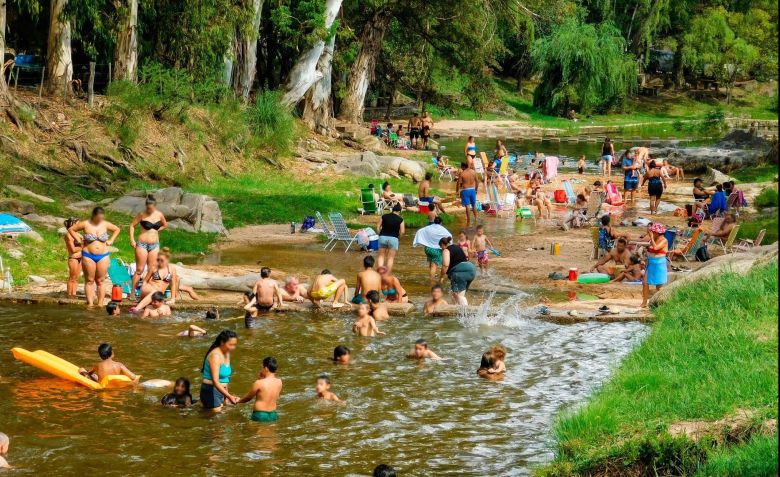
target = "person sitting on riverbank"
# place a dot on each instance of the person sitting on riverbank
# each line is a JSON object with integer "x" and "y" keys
{"x": 365, "y": 324}
{"x": 619, "y": 254}
{"x": 633, "y": 273}
{"x": 267, "y": 292}
{"x": 193, "y": 332}
{"x": 722, "y": 232}
{"x": 437, "y": 299}
{"x": 578, "y": 215}
{"x": 326, "y": 285}
{"x": 341, "y": 354}
{"x": 323, "y": 389}
{"x": 391, "y": 287}
{"x": 265, "y": 391}
{"x": 421, "y": 351}
{"x": 107, "y": 366}
{"x": 425, "y": 195}
{"x": 390, "y": 197}
{"x": 367, "y": 280}
{"x": 378, "y": 309}
{"x": 5, "y": 442}
{"x": 157, "y": 308}
{"x": 294, "y": 291}
{"x": 607, "y": 234}
{"x": 180, "y": 397}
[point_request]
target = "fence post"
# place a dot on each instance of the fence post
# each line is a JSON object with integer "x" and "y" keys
{"x": 16, "y": 79}
{"x": 40, "y": 87}
{"x": 91, "y": 84}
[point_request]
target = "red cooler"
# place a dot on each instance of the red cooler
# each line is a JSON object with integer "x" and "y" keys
{"x": 423, "y": 207}
{"x": 572, "y": 274}
{"x": 116, "y": 293}
{"x": 560, "y": 196}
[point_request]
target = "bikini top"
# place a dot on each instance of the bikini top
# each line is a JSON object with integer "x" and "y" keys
{"x": 151, "y": 225}
{"x": 156, "y": 276}
{"x": 89, "y": 238}
{"x": 657, "y": 251}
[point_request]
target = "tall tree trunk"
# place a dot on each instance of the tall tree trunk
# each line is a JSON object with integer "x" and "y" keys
{"x": 317, "y": 106}
{"x": 245, "y": 55}
{"x": 2, "y": 45}
{"x": 59, "y": 66}
{"x": 362, "y": 71}
{"x": 126, "y": 48}
{"x": 307, "y": 71}
{"x": 677, "y": 65}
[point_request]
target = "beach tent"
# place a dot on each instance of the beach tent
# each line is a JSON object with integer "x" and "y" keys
{"x": 10, "y": 225}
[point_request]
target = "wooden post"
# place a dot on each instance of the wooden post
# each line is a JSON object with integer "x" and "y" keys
{"x": 91, "y": 84}
{"x": 40, "y": 87}
{"x": 16, "y": 79}
{"x": 109, "y": 73}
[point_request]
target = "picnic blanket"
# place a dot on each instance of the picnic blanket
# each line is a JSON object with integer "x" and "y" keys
{"x": 12, "y": 225}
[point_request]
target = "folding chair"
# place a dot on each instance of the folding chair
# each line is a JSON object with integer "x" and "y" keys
{"x": 746, "y": 244}
{"x": 443, "y": 170}
{"x": 594, "y": 206}
{"x": 119, "y": 275}
{"x": 341, "y": 232}
{"x": 329, "y": 234}
{"x": 728, "y": 244}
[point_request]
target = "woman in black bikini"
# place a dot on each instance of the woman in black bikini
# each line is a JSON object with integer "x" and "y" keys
{"x": 152, "y": 221}
{"x": 73, "y": 246}
{"x": 656, "y": 185}
{"x": 163, "y": 277}
{"x": 95, "y": 254}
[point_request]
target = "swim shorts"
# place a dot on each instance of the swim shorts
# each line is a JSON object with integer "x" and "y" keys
{"x": 414, "y": 133}
{"x": 325, "y": 292}
{"x": 358, "y": 299}
{"x": 265, "y": 416}
{"x": 461, "y": 276}
{"x": 433, "y": 255}
{"x": 630, "y": 183}
{"x": 468, "y": 197}
{"x": 482, "y": 257}
{"x": 388, "y": 242}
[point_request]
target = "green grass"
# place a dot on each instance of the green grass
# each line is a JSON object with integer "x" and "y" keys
{"x": 749, "y": 228}
{"x": 766, "y": 198}
{"x": 760, "y": 173}
{"x": 712, "y": 350}
{"x": 757, "y": 457}
{"x": 416, "y": 220}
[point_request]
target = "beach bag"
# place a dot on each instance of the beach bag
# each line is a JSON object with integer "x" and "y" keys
{"x": 410, "y": 200}
{"x": 560, "y": 196}
{"x": 702, "y": 255}
{"x": 308, "y": 222}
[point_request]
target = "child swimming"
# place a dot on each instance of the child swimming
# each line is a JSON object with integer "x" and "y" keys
{"x": 480, "y": 245}
{"x": 421, "y": 351}
{"x": 157, "y": 308}
{"x": 323, "y": 389}
{"x": 112, "y": 309}
{"x": 193, "y": 332}
{"x": 378, "y": 309}
{"x": 107, "y": 366}
{"x": 265, "y": 391}
{"x": 341, "y": 354}
{"x": 181, "y": 396}
{"x": 499, "y": 354}
{"x": 365, "y": 324}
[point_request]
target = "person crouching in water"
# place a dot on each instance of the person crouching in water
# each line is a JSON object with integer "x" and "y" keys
{"x": 378, "y": 309}
{"x": 157, "y": 308}
{"x": 265, "y": 391}
{"x": 365, "y": 324}
{"x": 181, "y": 396}
{"x": 323, "y": 389}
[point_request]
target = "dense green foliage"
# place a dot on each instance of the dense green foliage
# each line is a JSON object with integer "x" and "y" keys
{"x": 712, "y": 350}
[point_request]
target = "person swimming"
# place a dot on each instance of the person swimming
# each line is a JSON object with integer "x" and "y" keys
{"x": 323, "y": 389}
{"x": 378, "y": 309}
{"x": 181, "y": 396}
{"x": 112, "y": 309}
{"x": 341, "y": 354}
{"x": 107, "y": 366}
{"x": 193, "y": 332}
{"x": 157, "y": 308}
{"x": 421, "y": 351}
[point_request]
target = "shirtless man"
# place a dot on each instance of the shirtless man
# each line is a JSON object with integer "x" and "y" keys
{"x": 619, "y": 254}
{"x": 365, "y": 324}
{"x": 424, "y": 193}
{"x": 427, "y": 127}
{"x": 467, "y": 187}
{"x": 157, "y": 308}
{"x": 293, "y": 290}
{"x": 265, "y": 391}
{"x": 378, "y": 309}
{"x": 267, "y": 292}
{"x": 325, "y": 286}
{"x": 437, "y": 299}
{"x": 414, "y": 125}
{"x": 421, "y": 351}
{"x": 107, "y": 366}
{"x": 367, "y": 280}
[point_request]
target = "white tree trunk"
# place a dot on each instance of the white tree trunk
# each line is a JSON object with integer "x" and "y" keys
{"x": 306, "y": 73}
{"x": 317, "y": 109}
{"x": 126, "y": 48}
{"x": 2, "y": 45}
{"x": 59, "y": 66}
{"x": 362, "y": 71}
{"x": 244, "y": 64}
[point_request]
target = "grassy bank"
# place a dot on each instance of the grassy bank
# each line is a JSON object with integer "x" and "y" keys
{"x": 712, "y": 351}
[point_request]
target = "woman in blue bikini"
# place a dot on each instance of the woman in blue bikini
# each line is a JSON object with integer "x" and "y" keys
{"x": 95, "y": 254}
{"x": 152, "y": 221}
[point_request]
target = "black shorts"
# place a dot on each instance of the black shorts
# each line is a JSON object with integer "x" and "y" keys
{"x": 210, "y": 396}
{"x": 414, "y": 133}
{"x": 655, "y": 189}
{"x": 580, "y": 170}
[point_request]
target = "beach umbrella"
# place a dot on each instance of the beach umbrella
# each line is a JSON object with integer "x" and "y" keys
{"x": 10, "y": 225}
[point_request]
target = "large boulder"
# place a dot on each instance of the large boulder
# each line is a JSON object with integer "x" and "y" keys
{"x": 736, "y": 150}
{"x": 16, "y": 206}
{"x": 28, "y": 193}
{"x": 359, "y": 164}
{"x": 129, "y": 205}
{"x": 395, "y": 165}
{"x": 184, "y": 211}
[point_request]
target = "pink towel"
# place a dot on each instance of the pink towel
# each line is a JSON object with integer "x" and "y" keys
{"x": 550, "y": 168}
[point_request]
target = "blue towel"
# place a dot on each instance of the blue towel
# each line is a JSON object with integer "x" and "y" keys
{"x": 718, "y": 204}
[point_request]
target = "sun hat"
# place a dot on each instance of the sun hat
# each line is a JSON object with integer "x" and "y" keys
{"x": 658, "y": 228}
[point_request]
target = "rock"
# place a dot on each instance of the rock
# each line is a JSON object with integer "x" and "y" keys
{"x": 30, "y": 194}
{"x": 129, "y": 205}
{"x": 211, "y": 218}
{"x": 184, "y": 211}
{"x": 179, "y": 224}
{"x": 15, "y": 253}
{"x": 36, "y": 279}
{"x": 16, "y": 206}
{"x": 62, "y": 230}
{"x": 174, "y": 211}
{"x": 82, "y": 205}
{"x": 412, "y": 169}
{"x": 714, "y": 175}
{"x": 215, "y": 281}
{"x": 49, "y": 220}
{"x": 737, "y": 149}
{"x": 106, "y": 201}
{"x": 170, "y": 195}
{"x": 32, "y": 235}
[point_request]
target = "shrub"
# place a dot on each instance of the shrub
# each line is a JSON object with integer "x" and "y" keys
{"x": 766, "y": 198}
{"x": 271, "y": 121}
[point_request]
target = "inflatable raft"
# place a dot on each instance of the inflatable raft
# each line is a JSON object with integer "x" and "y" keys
{"x": 67, "y": 370}
{"x": 593, "y": 278}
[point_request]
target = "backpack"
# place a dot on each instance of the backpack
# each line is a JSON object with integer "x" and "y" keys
{"x": 702, "y": 255}
{"x": 308, "y": 222}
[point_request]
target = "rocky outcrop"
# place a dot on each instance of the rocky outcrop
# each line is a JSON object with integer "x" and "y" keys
{"x": 183, "y": 210}
{"x": 738, "y": 149}
{"x": 215, "y": 281}
{"x": 15, "y": 206}
{"x": 371, "y": 165}
{"x": 28, "y": 193}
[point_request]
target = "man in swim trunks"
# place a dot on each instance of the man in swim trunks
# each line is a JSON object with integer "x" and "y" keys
{"x": 267, "y": 292}
{"x": 413, "y": 126}
{"x": 427, "y": 126}
{"x": 437, "y": 299}
{"x": 107, "y": 366}
{"x": 265, "y": 391}
{"x": 293, "y": 290}
{"x": 467, "y": 187}
{"x": 378, "y": 309}
{"x": 325, "y": 286}
{"x": 157, "y": 308}
{"x": 367, "y": 280}
{"x": 619, "y": 254}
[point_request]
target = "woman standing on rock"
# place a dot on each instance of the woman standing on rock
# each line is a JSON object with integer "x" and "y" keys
{"x": 152, "y": 221}
{"x": 655, "y": 274}
{"x": 73, "y": 246}
{"x": 95, "y": 253}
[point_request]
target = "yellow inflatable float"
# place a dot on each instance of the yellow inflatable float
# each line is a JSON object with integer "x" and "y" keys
{"x": 67, "y": 370}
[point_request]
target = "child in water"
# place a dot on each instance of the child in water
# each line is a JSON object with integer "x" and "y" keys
{"x": 157, "y": 308}
{"x": 112, "y": 309}
{"x": 365, "y": 324}
{"x": 323, "y": 389}
{"x": 480, "y": 244}
{"x": 341, "y": 354}
{"x": 181, "y": 396}
{"x": 421, "y": 351}
{"x": 107, "y": 366}
{"x": 4, "y": 443}
{"x": 378, "y": 309}
{"x": 265, "y": 391}
{"x": 581, "y": 164}
{"x": 193, "y": 332}
{"x": 463, "y": 243}
{"x": 499, "y": 354}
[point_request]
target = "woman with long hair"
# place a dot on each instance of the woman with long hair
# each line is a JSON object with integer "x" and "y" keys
{"x": 95, "y": 255}
{"x": 73, "y": 246}
{"x": 216, "y": 371}
{"x": 152, "y": 222}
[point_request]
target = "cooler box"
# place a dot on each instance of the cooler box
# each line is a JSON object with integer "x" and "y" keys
{"x": 560, "y": 196}
{"x": 423, "y": 207}
{"x": 373, "y": 242}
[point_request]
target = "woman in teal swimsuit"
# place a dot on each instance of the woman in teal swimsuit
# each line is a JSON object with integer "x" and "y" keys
{"x": 95, "y": 254}
{"x": 391, "y": 287}
{"x": 216, "y": 372}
